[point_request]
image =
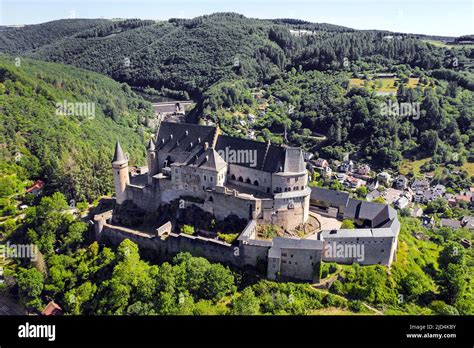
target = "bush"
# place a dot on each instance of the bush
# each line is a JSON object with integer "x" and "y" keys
{"x": 228, "y": 237}
{"x": 348, "y": 224}
{"x": 187, "y": 229}
{"x": 356, "y": 306}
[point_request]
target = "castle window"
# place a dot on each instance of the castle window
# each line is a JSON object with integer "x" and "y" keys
{"x": 248, "y": 181}
{"x": 382, "y": 251}
{"x": 210, "y": 178}
{"x": 291, "y": 255}
{"x": 205, "y": 178}
{"x": 310, "y": 257}
{"x": 211, "y": 199}
{"x": 241, "y": 179}
{"x": 284, "y": 254}
{"x": 268, "y": 189}
{"x": 255, "y": 183}
{"x": 289, "y": 262}
{"x": 233, "y": 177}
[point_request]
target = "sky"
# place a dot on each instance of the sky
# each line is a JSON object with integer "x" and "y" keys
{"x": 435, "y": 17}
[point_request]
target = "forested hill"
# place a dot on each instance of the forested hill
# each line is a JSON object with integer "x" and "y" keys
{"x": 70, "y": 151}
{"x": 193, "y": 54}
{"x": 21, "y": 39}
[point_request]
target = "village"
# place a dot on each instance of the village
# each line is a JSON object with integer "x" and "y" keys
{"x": 411, "y": 196}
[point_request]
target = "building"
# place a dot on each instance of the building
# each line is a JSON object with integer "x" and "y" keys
{"x": 231, "y": 176}
{"x": 401, "y": 182}
{"x": 36, "y": 188}
{"x": 259, "y": 182}
{"x": 384, "y": 177}
{"x": 52, "y": 309}
{"x": 455, "y": 224}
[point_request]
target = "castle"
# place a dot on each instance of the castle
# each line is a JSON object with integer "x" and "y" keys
{"x": 260, "y": 182}
{"x": 250, "y": 179}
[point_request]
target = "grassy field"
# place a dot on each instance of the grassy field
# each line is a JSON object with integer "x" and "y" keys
{"x": 408, "y": 167}
{"x": 412, "y": 167}
{"x": 442, "y": 44}
{"x": 384, "y": 85}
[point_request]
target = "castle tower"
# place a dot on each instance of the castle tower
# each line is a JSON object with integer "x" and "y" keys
{"x": 152, "y": 160}
{"x": 120, "y": 171}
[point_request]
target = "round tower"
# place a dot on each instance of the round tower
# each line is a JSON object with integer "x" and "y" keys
{"x": 120, "y": 171}
{"x": 152, "y": 160}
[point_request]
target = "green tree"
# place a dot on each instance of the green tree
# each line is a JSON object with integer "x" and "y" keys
{"x": 246, "y": 303}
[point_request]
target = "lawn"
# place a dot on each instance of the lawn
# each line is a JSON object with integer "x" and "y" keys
{"x": 383, "y": 85}
{"x": 413, "y": 167}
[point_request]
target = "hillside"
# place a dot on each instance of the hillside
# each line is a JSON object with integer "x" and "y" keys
{"x": 71, "y": 153}
{"x": 193, "y": 54}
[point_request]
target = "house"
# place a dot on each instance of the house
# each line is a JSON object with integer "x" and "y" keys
{"x": 464, "y": 196}
{"x": 372, "y": 184}
{"x": 321, "y": 162}
{"x": 346, "y": 166}
{"x": 384, "y": 177}
{"x": 427, "y": 221}
{"x": 36, "y": 188}
{"x": 439, "y": 190}
{"x": 468, "y": 222}
{"x": 419, "y": 196}
{"x": 401, "y": 182}
{"x": 401, "y": 203}
{"x": 363, "y": 169}
{"x": 373, "y": 195}
{"x": 420, "y": 184}
{"x": 391, "y": 195}
{"x": 416, "y": 212}
{"x": 52, "y": 309}
{"x": 354, "y": 183}
{"x": 451, "y": 199}
{"x": 455, "y": 224}
{"x": 341, "y": 177}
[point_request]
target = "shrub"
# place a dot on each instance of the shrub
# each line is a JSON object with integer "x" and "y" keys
{"x": 227, "y": 237}
{"x": 187, "y": 229}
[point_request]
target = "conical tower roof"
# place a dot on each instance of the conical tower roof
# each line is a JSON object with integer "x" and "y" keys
{"x": 151, "y": 145}
{"x": 119, "y": 156}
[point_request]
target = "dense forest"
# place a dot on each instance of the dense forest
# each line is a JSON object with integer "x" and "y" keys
{"x": 70, "y": 152}
{"x": 225, "y": 55}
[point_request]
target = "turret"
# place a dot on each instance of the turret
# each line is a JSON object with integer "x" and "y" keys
{"x": 151, "y": 160}
{"x": 120, "y": 171}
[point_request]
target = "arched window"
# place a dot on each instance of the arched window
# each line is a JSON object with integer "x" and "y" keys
{"x": 233, "y": 177}
{"x": 211, "y": 199}
{"x": 241, "y": 179}
{"x": 255, "y": 183}
{"x": 248, "y": 181}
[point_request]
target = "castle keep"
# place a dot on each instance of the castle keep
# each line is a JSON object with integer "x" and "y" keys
{"x": 264, "y": 184}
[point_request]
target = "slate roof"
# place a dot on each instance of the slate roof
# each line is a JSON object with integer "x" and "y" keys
{"x": 294, "y": 162}
{"x": 209, "y": 160}
{"x": 336, "y": 198}
{"x": 183, "y": 137}
{"x": 119, "y": 156}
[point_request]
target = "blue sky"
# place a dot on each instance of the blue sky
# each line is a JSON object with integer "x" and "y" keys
{"x": 440, "y": 17}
